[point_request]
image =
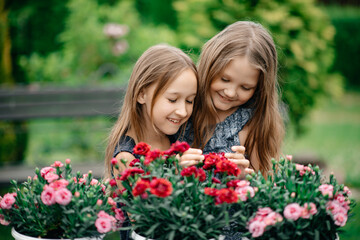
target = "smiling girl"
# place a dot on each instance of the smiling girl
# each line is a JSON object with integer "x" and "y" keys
{"x": 238, "y": 96}
{"x": 158, "y": 101}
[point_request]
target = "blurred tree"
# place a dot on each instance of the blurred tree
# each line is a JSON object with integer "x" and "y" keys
{"x": 34, "y": 26}
{"x": 157, "y": 11}
{"x": 301, "y": 30}
{"x": 13, "y": 135}
{"x": 88, "y": 54}
{"x": 5, "y": 46}
{"x": 346, "y": 20}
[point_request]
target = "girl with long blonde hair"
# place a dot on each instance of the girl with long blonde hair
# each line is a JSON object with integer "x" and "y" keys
{"x": 158, "y": 101}
{"x": 238, "y": 92}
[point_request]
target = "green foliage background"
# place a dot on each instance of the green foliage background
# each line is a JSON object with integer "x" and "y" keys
{"x": 62, "y": 43}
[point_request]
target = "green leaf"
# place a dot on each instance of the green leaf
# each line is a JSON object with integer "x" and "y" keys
{"x": 152, "y": 229}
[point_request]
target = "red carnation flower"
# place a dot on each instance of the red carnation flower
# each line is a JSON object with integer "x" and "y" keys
{"x": 180, "y": 147}
{"x": 211, "y": 159}
{"x": 151, "y": 156}
{"x": 210, "y": 191}
{"x": 201, "y": 174}
{"x": 197, "y": 172}
{"x": 227, "y": 166}
{"x": 132, "y": 163}
{"x": 233, "y": 183}
{"x": 226, "y": 195}
{"x": 141, "y": 148}
{"x": 189, "y": 171}
{"x": 215, "y": 180}
{"x": 161, "y": 187}
{"x": 140, "y": 187}
{"x": 112, "y": 182}
{"x": 130, "y": 172}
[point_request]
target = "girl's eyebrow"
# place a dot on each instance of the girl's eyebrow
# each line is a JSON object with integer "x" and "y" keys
{"x": 178, "y": 93}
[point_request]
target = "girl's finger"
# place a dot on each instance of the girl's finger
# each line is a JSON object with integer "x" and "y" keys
{"x": 193, "y": 151}
{"x": 189, "y": 157}
{"x": 238, "y": 149}
{"x": 234, "y": 156}
{"x": 243, "y": 163}
{"x": 249, "y": 170}
{"x": 188, "y": 163}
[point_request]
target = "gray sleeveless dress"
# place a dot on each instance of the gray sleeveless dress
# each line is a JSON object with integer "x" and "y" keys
{"x": 226, "y": 132}
{"x": 225, "y": 136}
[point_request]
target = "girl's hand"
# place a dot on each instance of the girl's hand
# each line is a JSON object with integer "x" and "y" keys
{"x": 191, "y": 157}
{"x": 239, "y": 158}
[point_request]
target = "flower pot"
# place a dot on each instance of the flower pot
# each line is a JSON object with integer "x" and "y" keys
{"x": 136, "y": 236}
{"x": 19, "y": 236}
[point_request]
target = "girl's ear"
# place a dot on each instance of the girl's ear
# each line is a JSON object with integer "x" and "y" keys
{"x": 141, "y": 97}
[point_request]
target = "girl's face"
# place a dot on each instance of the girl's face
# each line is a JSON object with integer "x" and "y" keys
{"x": 234, "y": 86}
{"x": 174, "y": 106}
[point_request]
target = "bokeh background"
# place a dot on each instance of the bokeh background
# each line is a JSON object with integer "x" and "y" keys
{"x": 93, "y": 44}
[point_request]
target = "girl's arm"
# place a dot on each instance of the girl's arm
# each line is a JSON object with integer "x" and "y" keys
{"x": 122, "y": 155}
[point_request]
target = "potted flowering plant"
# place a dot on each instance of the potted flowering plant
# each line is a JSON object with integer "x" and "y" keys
{"x": 167, "y": 201}
{"x": 293, "y": 202}
{"x": 58, "y": 204}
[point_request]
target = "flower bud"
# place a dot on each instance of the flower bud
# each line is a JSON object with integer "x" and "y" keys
{"x": 293, "y": 194}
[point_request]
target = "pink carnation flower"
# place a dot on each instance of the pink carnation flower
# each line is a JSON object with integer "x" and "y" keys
{"x": 48, "y": 195}
{"x": 103, "y": 225}
{"x": 119, "y": 214}
{"x": 293, "y": 211}
{"x": 7, "y": 201}
{"x": 347, "y": 191}
{"x": 62, "y": 183}
{"x": 3, "y": 221}
{"x": 57, "y": 164}
{"x": 326, "y": 189}
{"x": 63, "y": 196}
{"x": 308, "y": 210}
{"x": 94, "y": 182}
{"x": 257, "y": 228}
{"x": 50, "y": 177}
{"x": 47, "y": 170}
{"x": 272, "y": 218}
{"x": 244, "y": 192}
{"x": 264, "y": 211}
{"x": 243, "y": 183}
{"x": 340, "y": 219}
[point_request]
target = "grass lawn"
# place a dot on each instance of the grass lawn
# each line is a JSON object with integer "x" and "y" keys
{"x": 333, "y": 134}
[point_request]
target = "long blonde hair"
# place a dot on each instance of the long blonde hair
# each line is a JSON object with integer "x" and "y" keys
{"x": 266, "y": 129}
{"x": 159, "y": 65}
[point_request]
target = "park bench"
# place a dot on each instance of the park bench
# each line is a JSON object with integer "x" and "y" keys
{"x": 22, "y": 104}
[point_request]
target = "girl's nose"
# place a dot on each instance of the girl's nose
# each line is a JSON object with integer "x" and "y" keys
{"x": 230, "y": 93}
{"x": 181, "y": 110}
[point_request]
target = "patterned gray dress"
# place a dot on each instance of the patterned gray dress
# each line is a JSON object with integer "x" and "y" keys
{"x": 225, "y": 136}
{"x": 226, "y": 132}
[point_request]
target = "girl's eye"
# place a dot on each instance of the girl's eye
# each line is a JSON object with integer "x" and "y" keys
{"x": 245, "y": 88}
{"x": 172, "y": 100}
{"x": 225, "y": 80}
{"x": 190, "y": 102}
